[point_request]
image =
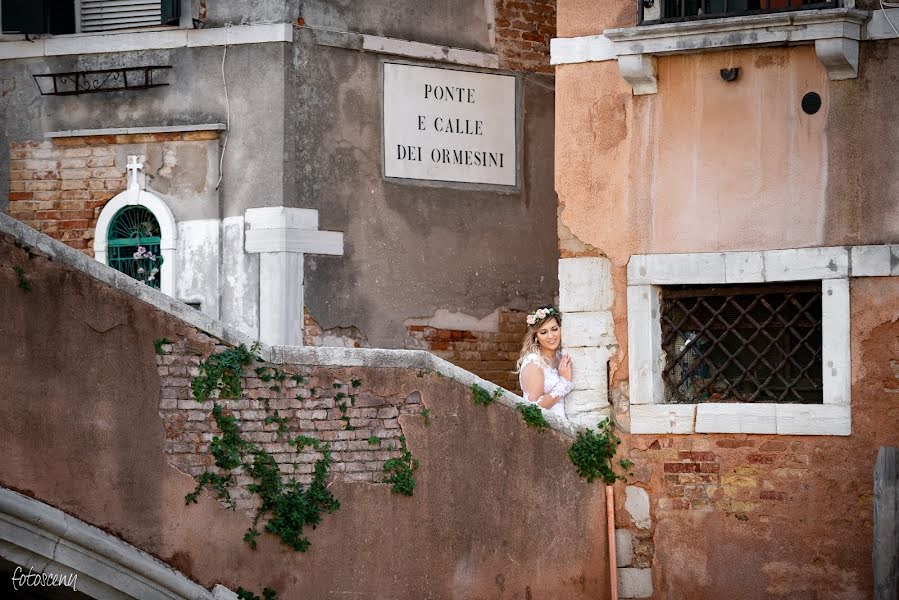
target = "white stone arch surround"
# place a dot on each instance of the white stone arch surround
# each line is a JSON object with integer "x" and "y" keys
{"x": 38, "y": 536}
{"x": 167, "y": 228}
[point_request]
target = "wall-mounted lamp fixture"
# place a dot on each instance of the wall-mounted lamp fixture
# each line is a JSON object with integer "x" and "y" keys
{"x": 730, "y": 74}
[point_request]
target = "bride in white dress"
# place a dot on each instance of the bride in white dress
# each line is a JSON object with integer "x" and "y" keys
{"x": 544, "y": 373}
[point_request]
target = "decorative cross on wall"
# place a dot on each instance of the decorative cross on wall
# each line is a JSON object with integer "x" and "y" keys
{"x": 134, "y": 166}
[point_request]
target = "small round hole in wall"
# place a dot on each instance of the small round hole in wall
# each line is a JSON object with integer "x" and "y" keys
{"x": 811, "y": 103}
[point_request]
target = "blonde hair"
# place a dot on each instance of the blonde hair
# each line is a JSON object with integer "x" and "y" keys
{"x": 530, "y": 345}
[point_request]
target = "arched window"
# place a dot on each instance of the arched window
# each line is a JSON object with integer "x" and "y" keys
{"x": 133, "y": 244}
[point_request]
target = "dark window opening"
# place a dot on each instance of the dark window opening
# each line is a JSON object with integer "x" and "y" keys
{"x": 58, "y": 16}
{"x": 682, "y": 10}
{"x": 730, "y": 343}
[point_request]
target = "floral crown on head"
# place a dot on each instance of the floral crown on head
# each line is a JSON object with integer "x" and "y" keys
{"x": 540, "y": 314}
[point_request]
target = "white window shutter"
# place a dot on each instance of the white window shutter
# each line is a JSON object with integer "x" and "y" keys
{"x": 109, "y": 15}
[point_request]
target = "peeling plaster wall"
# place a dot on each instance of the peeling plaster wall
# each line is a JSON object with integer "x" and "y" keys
{"x": 90, "y": 440}
{"x": 305, "y": 132}
{"x": 704, "y": 166}
{"x": 411, "y": 250}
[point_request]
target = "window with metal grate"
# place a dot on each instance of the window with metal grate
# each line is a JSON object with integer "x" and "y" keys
{"x": 134, "y": 244}
{"x": 678, "y": 10}
{"x": 748, "y": 343}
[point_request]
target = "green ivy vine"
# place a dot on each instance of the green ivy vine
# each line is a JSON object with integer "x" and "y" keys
{"x": 402, "y": 470}
{"x": 592, "y": 454}
{"x": 532, "y": 415}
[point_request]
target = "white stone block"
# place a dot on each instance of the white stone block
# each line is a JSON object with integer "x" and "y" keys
{"x": 835, "y": 352}
{"x": 800, "y": 264}
{"x": 676, "y": 269}
{"x": 585, "y": 284}
{"x": 304, "y": 241}
{"x": 636, "y": 503}
{"x": 624, "y": 547}
{"x": 744, "y": 267}
{"x": 281, "y": 217}
{"x": 587, "y": 408}
{"x": 589, "y": 367}
{"x": 662, "y": 418}
{"x": 281, "y": 298}
{"x": 736, "y": 418}
{"x": 588, "y": 329}
{"x": 644, "y": 345}
{"x": 220, "y": 592}
{"x": 894, "y": 259}
{"x": 813, "y": 419}
{"x": 634, "y": 583}
{"x": 870, "y": 261}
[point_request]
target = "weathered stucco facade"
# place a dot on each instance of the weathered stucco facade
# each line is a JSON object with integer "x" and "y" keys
{"x": 661, "y": 158}
{"x": 286, "y": 98}
{"x": 497, "y": 510}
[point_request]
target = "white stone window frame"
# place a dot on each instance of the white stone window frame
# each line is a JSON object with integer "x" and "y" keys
{"x": 647, "y": 273}
{"x": 168, "y": 232}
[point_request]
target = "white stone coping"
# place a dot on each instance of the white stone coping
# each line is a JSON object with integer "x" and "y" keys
{"x": 406, "y": 48}
{"x": 311, "y": 355}
{"x": 793, "y": 264}
{"x": 35, "y": 534}
{"x": 107, "y": 42}
{"x": 835, "y": 34}
{"x": 709, "y": 34}
{"x": 832, "y": 266}
{"x": 136, "y": 130}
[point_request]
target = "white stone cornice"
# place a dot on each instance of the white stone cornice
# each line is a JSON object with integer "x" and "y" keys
{"x": 834, "y": 32}
{"x": 133, "y": 41}
{"x": 405, "y": 48}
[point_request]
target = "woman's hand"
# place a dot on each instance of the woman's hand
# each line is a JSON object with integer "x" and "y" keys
{"x": 565, "y": 367}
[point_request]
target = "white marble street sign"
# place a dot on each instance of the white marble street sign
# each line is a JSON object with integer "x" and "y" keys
{"x": 449, "y": 125}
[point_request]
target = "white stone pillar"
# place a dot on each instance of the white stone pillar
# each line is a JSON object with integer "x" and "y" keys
{"x": 588, "y": 335}
{"x": 281, "y": 236}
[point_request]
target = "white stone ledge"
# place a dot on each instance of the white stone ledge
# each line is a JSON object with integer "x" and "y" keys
{"x": 107, "y": 42}
{"x": 303, "y": 241}
{"x": 406, "y": 48}
{"x": 780, "y": 419}
{"x": 588, "y": 48}
{"x": 834, "y": 32}
{"x": 796, "y": 264}
{"x": 136, "y": 130}
{"x": 736, "y": 418}
{"x": 663, "y": 418}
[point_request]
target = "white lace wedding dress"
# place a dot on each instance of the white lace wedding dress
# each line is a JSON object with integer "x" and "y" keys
{"x": 553, "y": 384}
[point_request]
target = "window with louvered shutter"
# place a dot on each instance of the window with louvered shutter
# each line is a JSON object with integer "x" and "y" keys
{"x": 109, "y": 15}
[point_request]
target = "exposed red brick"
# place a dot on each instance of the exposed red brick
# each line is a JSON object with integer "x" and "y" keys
{"x": 772, "y": 495}
{"x": 681, "y": 467}
{"x": 697, "y": 456}
{"x": 730, "y": 443}
{"x": 760, "y": 459}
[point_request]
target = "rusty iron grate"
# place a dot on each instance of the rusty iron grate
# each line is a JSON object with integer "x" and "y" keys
{"x": 742, "y": 343}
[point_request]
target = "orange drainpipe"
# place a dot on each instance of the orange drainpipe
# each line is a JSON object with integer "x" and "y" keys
{"x": 610, "y": 525}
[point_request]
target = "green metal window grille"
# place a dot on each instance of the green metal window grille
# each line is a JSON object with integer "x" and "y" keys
{"x": 133, "y": 245}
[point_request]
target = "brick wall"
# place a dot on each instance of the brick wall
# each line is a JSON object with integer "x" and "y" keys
{"x": 523, "y": 31}
{"x": 490, "y": 355}
{"x": 310, "y": 406}
{"x": 59, "y": 187}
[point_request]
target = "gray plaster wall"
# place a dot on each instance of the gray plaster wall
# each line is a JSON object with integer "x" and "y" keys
{"x": 253, "y": 165}
{"x": 411, "y": 249}
{"x": 458, "y": 23}
{"x": 305, "y": 132}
